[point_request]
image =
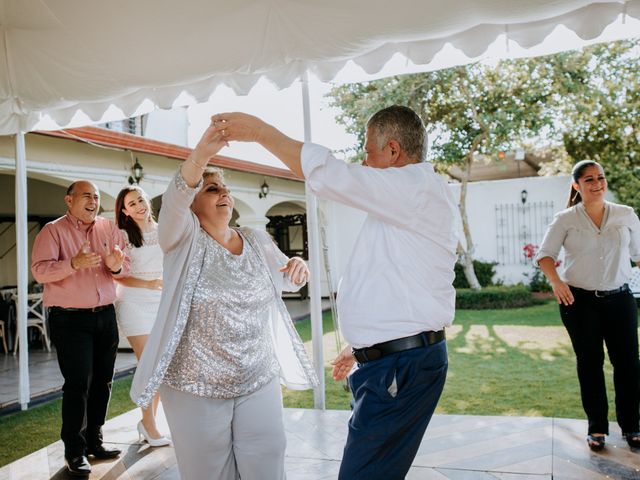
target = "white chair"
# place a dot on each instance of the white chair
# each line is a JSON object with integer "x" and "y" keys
{"x": 634, "y": 283}
{"x": 36, "y": 318}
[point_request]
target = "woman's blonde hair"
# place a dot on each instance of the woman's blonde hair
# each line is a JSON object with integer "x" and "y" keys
{"x": 211, "y": 171}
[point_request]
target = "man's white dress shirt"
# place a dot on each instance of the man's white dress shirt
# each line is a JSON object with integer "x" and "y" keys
{"x": 398, "y": 281}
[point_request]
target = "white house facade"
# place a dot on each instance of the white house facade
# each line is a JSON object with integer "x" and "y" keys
{"x": 504, "y": 215}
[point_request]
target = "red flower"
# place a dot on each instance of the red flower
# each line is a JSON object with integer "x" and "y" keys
{"x": 530, "y": 250}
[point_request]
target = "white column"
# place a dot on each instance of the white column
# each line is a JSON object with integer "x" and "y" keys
{"x": 22, "y": 247}
{"x": 313, "y": 237}
{"x": 259, "y": 222}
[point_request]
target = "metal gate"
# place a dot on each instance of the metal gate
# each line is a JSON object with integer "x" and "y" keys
{"x": 518, "y": 225}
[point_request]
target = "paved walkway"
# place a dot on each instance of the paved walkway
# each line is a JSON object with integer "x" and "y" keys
{"x": 45, "y": 379}
{"x": 457, "y": 447}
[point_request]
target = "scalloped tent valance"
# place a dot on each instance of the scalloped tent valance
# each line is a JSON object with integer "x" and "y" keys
{"x": 60, "y": 57}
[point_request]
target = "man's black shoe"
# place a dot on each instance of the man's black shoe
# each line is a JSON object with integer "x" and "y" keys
{"x": 102, "y": 453}
{"x": 78, "y": 466}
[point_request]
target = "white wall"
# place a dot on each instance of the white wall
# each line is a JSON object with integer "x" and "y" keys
{"x": 482, "y": 199}
{"x": 53, "y": 163}
{"x": 169, "y": 126}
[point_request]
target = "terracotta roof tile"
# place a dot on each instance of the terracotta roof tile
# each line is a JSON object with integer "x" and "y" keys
{"x": 135, "y": 143}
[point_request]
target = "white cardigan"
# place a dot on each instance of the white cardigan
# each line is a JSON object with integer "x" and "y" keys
{"x": 179, "y": 233}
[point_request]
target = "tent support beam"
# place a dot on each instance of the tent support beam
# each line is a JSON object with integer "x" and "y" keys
{"x": 22, "y": 260}
{"x": 314, "y": 246}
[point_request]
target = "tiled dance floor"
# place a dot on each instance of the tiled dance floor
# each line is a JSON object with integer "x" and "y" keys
{"x": 457, "y": 447}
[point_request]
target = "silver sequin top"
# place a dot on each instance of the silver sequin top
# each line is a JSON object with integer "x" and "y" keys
{"x": 226, "y": 349}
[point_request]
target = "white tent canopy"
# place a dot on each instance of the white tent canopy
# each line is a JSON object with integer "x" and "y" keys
{"x": 60, "y": 57}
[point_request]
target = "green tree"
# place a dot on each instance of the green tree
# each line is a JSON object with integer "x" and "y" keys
{"x": 578, "y": 104}
{"x": 469, "y": 111}
{"x": 600, "y": 112}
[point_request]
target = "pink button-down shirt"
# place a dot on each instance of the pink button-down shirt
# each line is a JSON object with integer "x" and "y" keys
{"x": 57, "y": 243}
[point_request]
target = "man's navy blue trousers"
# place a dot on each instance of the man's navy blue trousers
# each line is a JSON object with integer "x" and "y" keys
{"x": 387, "y": 426}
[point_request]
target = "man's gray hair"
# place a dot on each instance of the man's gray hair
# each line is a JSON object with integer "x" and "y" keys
{"x": 403, "y": 125}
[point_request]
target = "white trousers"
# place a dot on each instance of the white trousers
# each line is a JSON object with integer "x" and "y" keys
{"x": 219, "y": 439}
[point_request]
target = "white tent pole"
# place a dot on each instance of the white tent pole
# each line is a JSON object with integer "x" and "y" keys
{"x": 313, "y": 237}
{"x": 22, "y": 246}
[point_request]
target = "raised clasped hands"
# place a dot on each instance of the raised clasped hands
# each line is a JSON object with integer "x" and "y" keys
{"x": 209, "y": 145}
{"x": 562, "y": 292}
{"x": 296, "y": 269}
{"x": 114, "y": 259}
{"x": 343, "y": 364}
{"x": 240, "y": 127}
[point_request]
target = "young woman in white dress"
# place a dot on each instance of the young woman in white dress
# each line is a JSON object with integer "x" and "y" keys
{"x": 138, "y": 296}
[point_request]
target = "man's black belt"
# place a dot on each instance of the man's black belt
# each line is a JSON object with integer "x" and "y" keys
{"x": 605, "y": 293}
{"x": 85, "y": 310}
{"x": 379, "y": 350}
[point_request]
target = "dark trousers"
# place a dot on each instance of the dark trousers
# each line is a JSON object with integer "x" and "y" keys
{"x": 86, "y": 344}
{"x": 385, "y": 429}
{"x": 613, "y": 320}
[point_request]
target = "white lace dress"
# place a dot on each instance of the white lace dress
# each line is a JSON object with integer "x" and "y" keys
{"x": 136, "y": 308}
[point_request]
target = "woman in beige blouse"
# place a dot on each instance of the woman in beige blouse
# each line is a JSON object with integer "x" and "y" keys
{"x": 596, "y": 306}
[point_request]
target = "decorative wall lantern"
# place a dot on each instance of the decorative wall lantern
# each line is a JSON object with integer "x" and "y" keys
{"x": 136, "y": 173}
{"x": 264, "y": 190}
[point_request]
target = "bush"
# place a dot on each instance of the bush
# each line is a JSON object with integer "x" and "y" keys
{"x": 538, "y": 282}
{"x": 484, "y": 271}
{"x": 495, "y": 298}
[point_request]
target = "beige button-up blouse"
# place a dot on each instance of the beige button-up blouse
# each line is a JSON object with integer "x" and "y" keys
{"x": 594, "y": 258}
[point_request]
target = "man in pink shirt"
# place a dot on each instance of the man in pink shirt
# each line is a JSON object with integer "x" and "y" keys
{"x": 76, "y": 257}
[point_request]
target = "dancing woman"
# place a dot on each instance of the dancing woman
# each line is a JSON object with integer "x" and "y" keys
{"x": 224, "y": 339}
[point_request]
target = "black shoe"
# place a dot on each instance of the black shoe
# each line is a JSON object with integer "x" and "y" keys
{"x": 78, "y": 466}
{"x": 633, "y": 439}
{"x": 596, "y": 442}
{"x": 102, "y": 453}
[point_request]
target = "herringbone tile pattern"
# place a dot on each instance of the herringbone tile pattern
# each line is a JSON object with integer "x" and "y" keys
{"x": 456, "y": 447}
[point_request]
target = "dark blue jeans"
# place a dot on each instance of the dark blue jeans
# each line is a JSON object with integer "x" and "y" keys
{"x": 593, "y": 322}
{"x": 86, "y": 344}
{"x": 385, "y": 430}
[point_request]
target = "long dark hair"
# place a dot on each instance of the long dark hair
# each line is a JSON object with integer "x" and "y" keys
{"x": 125, "y": 222}
{"x": 576, "y": 173}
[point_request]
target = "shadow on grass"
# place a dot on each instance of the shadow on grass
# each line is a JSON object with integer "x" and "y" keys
{"x": 501, "y": 362}
{"x": 513, "y": 362}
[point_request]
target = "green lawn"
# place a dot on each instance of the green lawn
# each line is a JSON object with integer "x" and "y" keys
{"x": 501, "y": 362}
{"x": 304, "y": 326}
{"x": 488, "y": 376}
{"x": 24, "y": 432}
